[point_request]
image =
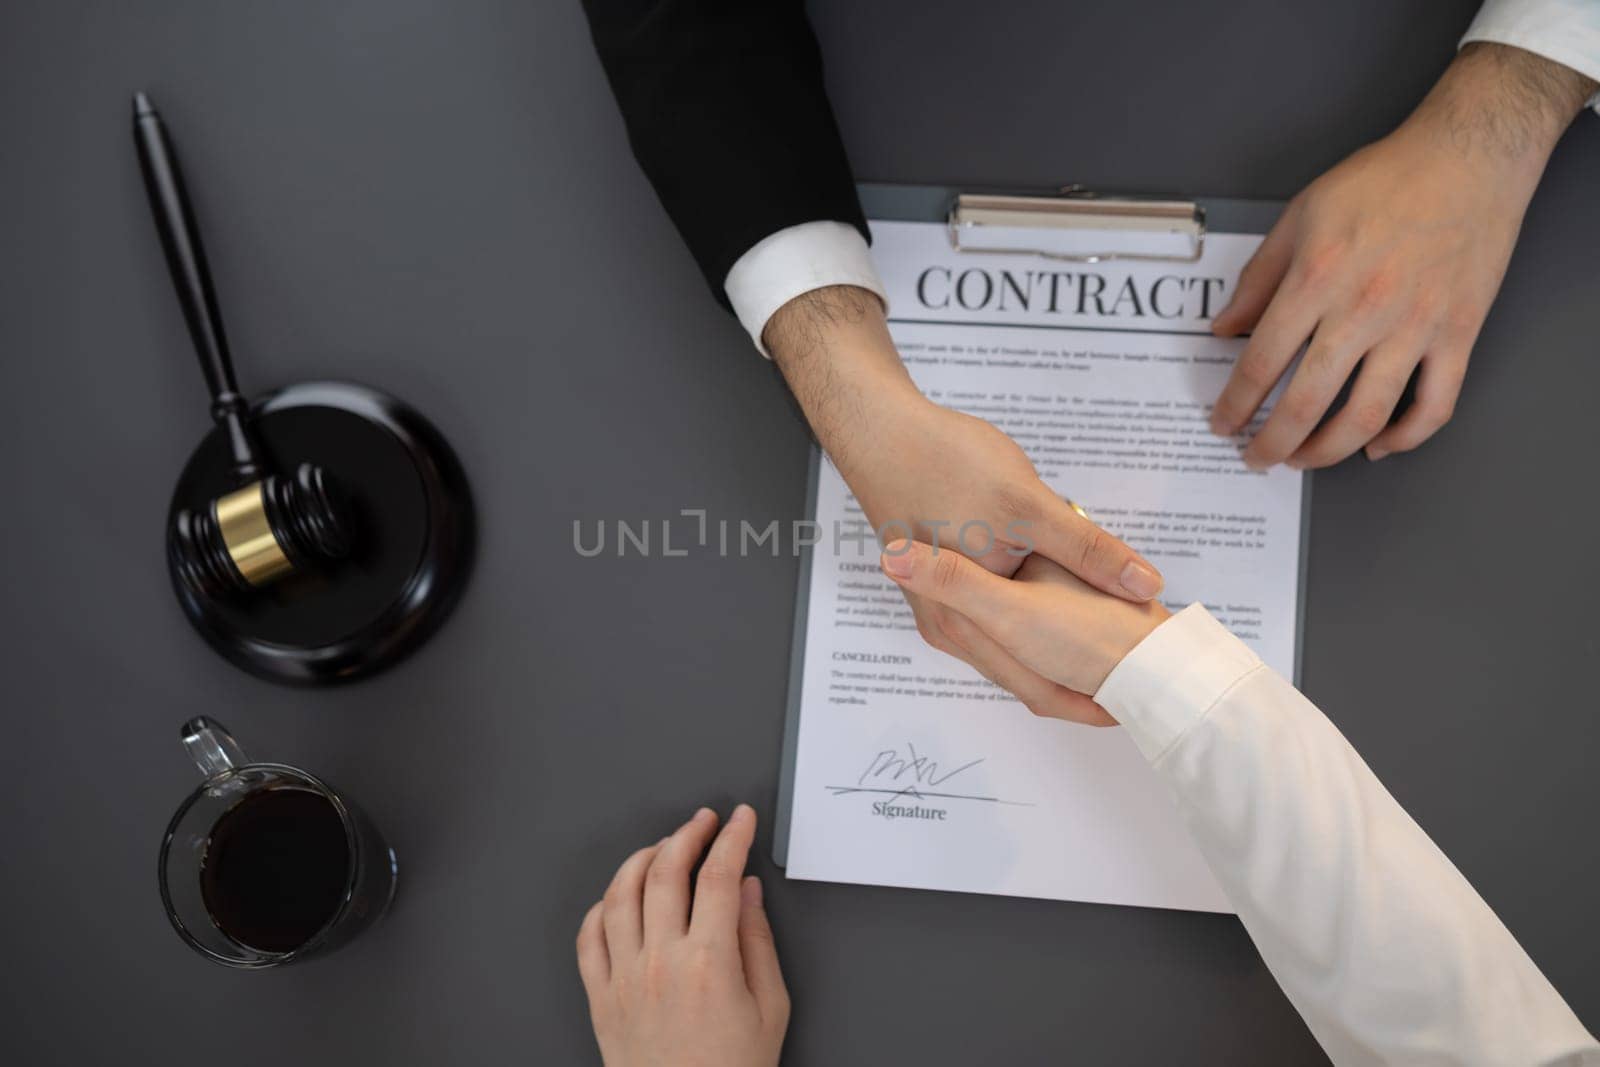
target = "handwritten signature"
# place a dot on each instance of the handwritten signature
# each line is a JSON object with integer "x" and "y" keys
{"x": 910, "y": 774}
{"x": 890, "y": 766}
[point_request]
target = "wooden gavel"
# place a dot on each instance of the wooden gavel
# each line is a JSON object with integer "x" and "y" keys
{"x": 273, "y": 524}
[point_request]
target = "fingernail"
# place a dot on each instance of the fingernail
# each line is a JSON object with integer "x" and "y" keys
{"x": 752, "y": 891}
{"x": 896, "y": 559}
{"x": 1140, "y": 579}
{"x": 1255, "y": 464}
{"x": 1375, "y": 454}
{"x": 743, "y": 810}
{"x": 701, "y": 813}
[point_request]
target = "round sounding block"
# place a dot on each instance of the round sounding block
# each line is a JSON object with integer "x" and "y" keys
{"x": 412, "y": 524}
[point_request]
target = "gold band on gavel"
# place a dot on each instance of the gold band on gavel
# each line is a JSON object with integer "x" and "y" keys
{"x": 242, "y": 520}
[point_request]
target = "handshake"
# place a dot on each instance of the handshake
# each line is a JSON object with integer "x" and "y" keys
{"x": 925, "y": 470}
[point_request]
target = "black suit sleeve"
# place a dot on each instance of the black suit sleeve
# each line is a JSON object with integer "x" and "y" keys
{"x": 727, "y": 114}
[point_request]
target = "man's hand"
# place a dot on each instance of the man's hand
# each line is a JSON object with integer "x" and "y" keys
{"x": 1044, "y": 623}
{"x": 1392, "y": 259}
{"x": 926, "y": 472}
{"x": 675, "y": 983}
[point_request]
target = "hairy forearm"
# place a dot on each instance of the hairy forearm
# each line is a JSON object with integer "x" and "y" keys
{"x": 1501, "y": 107}
{"x": 834, "y": 350}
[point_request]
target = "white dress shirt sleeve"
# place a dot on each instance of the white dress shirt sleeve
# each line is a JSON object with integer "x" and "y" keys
{"x": 1567, "y": 31}
{"x": 794, "y": 261}
{"x": 1379, "y": 942}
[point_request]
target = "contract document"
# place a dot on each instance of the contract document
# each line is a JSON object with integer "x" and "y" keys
{"x": 904, "y": 766}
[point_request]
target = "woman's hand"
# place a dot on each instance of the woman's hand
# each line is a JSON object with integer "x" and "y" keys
{"x": 674, "y": 981}
{"x": 1044, "y": 622}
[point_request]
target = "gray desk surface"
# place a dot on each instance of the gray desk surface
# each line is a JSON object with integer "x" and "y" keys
{"x": 439, "y": 199}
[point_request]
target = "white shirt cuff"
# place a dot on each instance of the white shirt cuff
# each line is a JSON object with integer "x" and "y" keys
{"x": 794, "y": 261}
{"x": 1567, "y": 31}
{"x": 1173, "y": 677}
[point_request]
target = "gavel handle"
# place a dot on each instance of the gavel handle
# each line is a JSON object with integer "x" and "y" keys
{"x": 186, "y": 259}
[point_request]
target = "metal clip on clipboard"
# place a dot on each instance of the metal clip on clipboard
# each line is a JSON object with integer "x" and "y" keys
{"x": 1078, "y": 225}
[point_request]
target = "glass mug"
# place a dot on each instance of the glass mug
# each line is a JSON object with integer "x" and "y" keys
{"x": 265, "y": 864}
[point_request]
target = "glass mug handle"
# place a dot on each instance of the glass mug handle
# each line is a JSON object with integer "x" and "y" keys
{"x": 211, "y": 746}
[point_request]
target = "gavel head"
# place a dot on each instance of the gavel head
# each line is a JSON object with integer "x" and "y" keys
{"x": 253, "y": 536}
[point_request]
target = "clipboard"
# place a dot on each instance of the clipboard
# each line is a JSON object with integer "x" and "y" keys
{"x": 1069, "y": 223}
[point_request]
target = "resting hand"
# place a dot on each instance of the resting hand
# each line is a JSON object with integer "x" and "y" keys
{"x": 674, "y": 982}
{"x": 1045, "y": 622}
{"x": 1391, "y": 260}
{"x": 922, "y": 471}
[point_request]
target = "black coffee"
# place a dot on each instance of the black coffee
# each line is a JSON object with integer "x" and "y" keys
{"x": 275, "y": 868}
